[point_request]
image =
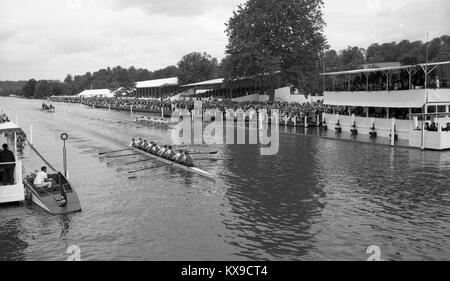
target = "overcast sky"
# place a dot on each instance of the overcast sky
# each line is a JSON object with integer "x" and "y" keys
{"x": 47, "y": 39}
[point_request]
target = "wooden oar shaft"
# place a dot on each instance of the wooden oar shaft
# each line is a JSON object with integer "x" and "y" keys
{"x": 144, "y": 160}
{"x": 101, "y": 153}
{"x": 118, "y": 156}
{"x": 200, "y": 153}
{"x": 149, "y": 168}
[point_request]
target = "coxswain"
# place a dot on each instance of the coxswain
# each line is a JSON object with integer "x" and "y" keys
{"x": 187, "y": 160}
{"x": 133, "y": 142}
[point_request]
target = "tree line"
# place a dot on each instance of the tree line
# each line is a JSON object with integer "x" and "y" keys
{"x": 193, "y": 67}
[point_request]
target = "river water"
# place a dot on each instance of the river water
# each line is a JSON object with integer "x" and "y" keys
{"x": 317, "y": 199}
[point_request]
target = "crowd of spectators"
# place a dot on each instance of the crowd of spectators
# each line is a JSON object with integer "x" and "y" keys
{"x": 378, "y": 82}
{"x": 285, "y": 108}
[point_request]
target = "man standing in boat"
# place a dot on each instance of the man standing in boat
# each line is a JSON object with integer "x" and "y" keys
{"x": 6, "y": 156}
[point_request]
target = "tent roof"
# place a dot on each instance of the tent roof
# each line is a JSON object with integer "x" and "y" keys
{"x": 393, "y": 68}
{"x": 96, "y": 93}
{"x": 173, "y": 81}
{"x": 206, "y": 83}
{"x": 8, "y": 126}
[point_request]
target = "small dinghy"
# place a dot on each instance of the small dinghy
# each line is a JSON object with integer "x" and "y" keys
{"x": 61, "y": 199}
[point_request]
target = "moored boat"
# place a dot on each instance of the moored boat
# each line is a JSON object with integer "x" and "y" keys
{"x": 60, "y": 199}
{"x": 14, "y": 191}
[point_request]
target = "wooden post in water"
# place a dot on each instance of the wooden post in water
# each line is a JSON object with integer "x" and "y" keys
{"x": 15, "y": 144}
{"x": 131, "y": 109}
{"x": 31, "y": 134}
{"x": 64, "y": 138}
{"x": 393, "y": 132}
{"x": 306, "y": 121}
{"x": 162, "y": 112}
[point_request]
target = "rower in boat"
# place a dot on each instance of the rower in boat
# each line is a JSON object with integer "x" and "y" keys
{"x": 149, "y": 147}
{"x": 170, "y": 153}
{"x": 163, "y": 150}
{"x": 144, "y": 145}
{"x": 176, "y": 156}
{"x": 155, "y": 149}
{"x": 139, "y": 142}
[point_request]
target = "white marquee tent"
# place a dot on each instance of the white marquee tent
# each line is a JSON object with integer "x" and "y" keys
{"x": 105, "y": 93}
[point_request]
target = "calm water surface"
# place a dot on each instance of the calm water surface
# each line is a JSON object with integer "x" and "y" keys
{"x": 317, "y": 199}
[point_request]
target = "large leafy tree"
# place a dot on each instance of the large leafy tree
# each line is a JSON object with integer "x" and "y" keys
{"x": 28, "y": 88}
{"x": 196, "y": 67}
{"x": 352, "y": 58}
{"x": 42, "y": 89}
{"x": 266, "y": 36}
{"x": 169, "y": 71}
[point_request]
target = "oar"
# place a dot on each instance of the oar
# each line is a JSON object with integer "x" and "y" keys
{"x": 209, "y": 159}
{"x": 102, "y": 153}
{"x": 200, "y": 153}
{"x": 126, "y": 155}
{"x": 144, "y": 160}
{"x": 149, "y": 168}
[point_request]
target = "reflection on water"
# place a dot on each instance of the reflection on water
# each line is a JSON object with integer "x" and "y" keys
{"x": 317, "y": 199}
{"x": 11, "y": 245}
{"x": 273, "y": 212}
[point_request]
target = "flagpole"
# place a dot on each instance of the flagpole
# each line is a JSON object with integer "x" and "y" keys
{"x": 426, "y": 92}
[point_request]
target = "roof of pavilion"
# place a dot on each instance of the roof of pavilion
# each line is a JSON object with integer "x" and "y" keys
{"x": 206, "y": 83}
{"x": 383, "y": 69}
{"x": 173, "y": 81}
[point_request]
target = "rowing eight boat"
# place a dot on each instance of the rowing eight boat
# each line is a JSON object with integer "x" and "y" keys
{"x": 190, "y": 169}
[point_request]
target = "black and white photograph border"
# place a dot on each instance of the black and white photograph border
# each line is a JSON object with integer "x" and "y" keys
{"x": 224, "y": 131}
